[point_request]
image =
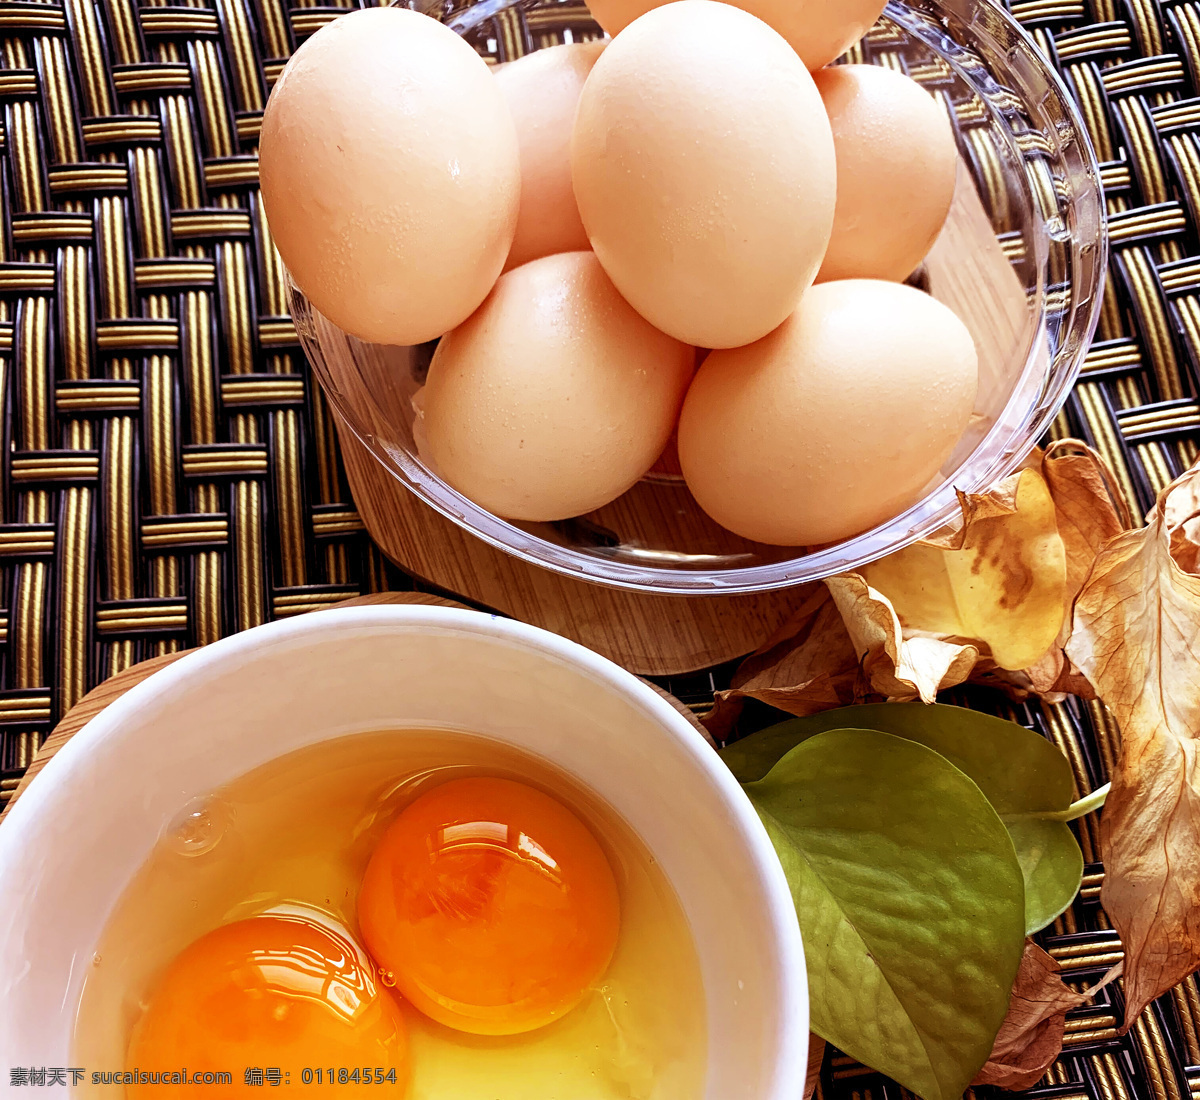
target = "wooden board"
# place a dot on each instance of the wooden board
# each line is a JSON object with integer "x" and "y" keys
{"x": 647, "y": 634}
{"x": 112, "y": 689}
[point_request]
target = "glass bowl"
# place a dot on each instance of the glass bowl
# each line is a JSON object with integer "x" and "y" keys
{"x": 1021, "y": 261}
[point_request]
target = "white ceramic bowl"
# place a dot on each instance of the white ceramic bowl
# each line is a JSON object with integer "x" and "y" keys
{"x": 86, "y": 824}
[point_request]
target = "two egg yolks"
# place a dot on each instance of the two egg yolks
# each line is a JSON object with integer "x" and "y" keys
{"x": 491, "y": 905}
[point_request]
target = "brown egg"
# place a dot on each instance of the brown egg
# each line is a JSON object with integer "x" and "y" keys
{"x": 818, "y": 30}
{"x": 555, "y": 397}
{"x": 836, "y": 421}
{"x": 704, "y": 171}
{"x": 896, "y": 162}
{"x": 542, "y": 91}
{"x": 390, "y": 175}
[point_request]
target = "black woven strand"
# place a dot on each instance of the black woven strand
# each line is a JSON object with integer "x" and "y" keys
{"x": 170, "y": 471}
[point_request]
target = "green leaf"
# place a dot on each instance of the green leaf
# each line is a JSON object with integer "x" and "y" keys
{"x": 910, "y": 901}
{"x": 1022, "y": 774}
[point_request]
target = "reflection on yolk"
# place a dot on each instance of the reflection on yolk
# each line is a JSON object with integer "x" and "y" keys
{"x": 492, "y": 904}
{"x": 276, "y": 991}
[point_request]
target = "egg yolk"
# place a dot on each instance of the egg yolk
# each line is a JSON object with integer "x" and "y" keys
{"x": 279, "y": 992}
{"x": 492, "y": 905}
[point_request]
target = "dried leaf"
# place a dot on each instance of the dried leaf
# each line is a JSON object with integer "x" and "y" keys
{"x": 1054, "y": 677}
{"x": 899, "y": 668}
{"x": 1089, "y": 511}
{"x": 1016, "y": 685}
{"x": 807, "y": 666}
{"x": 816, "y": 1057}
{"x": 1136, "y": 637}
{"x": 1001, "y": 586}
{"x": 999, "y": 502}
{"x": 919, "y": 588}
{"x": 1010, "y": 576}
{"x": 1181, "y": 517}
{"x": 1031, "y": 1037}
{"x": 928, "y": 626}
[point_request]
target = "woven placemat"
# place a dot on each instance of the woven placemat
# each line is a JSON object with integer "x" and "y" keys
{"x": 170, "y": 471}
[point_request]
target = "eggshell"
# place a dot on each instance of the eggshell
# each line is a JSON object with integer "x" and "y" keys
{"x": 896, "y": 162}
{"x": 818, "y": 30}
{"x": 390, "y": 175}
{"x": 703, "y": 168}
{"x": 836, "y": 421}
{"x": 542, "y": 92}
{"x": 555, "y": 397}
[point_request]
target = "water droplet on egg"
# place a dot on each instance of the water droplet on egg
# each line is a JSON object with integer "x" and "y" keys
{"x": 198, "y": 827}
{"x": 387, "y": 978}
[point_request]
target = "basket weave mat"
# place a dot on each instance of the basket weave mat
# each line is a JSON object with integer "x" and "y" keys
{"x": 170, "y": 473}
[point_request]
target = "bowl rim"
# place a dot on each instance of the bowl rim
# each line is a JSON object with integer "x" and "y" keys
{"x": 27, "y": 818}
{"x": 920, "y": 518}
